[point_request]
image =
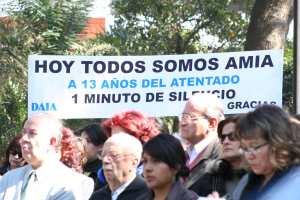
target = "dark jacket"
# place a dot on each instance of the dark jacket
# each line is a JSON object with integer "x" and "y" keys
{"x": 199, "y": 180}
{"x": 223, "y": 178}
{"x": 137, "y": 190}
{"x": 178, "y": 192}
{"x": 4, "y": 168}
{"x": 90, "y": 169}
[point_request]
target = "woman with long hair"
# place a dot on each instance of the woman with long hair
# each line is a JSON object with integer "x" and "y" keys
{"x": 272, "y": 149}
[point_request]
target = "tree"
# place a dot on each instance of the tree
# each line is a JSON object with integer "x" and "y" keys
{"x": 33, "y": 27}
{"x": 174, "y": 27}
{"x": 268, "y": 29}
{"x": 288, "y": 77}
{"x": 269, "y": 24}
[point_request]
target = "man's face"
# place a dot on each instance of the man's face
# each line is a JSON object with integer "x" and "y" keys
{"x": 230, "y": 145}
{"x": 194, "y": 124}
{"x": 35, "y": 141}
{"x": 117, "y": 163}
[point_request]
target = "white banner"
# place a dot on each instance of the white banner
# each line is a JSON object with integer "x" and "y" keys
{"x": 100, "y": 86}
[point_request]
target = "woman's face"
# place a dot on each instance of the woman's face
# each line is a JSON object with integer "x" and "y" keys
{"x": 16, "y": 160}
{"x": 230, "y": 145}
{"x": 157, "y": 174}
{"x": 258, "y": 154}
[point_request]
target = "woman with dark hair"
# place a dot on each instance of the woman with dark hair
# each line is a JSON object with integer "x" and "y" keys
{"x": 13, "y": 156}
{"x": 223, "y": 174}
{"x": 272, "y": 150}
{"x": 164, "y": 163}
{"x": 94, "y": 138}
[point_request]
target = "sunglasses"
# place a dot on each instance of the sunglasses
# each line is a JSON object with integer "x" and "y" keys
{"x": 230, "y": 136}
{"x": 14, "y": 153}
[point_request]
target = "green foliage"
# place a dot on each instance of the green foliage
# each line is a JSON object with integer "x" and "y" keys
{"x": 288, "y": 77}
{"x": 50, "y": 25}
{"x": 172, "y": 26}
{"x": 13, "y": 112}
{"x": 33, "y": 27}
{"x": 92, "y": 48}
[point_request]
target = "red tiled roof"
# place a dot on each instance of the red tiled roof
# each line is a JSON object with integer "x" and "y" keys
{"x": 93, "y": 27}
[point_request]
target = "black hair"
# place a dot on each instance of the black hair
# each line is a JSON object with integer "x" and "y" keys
{"x": 13, "y": 148}
{"x": 227, "y": 120}
{"x": 95, "y": 134}
{"x": 168, "y": 149}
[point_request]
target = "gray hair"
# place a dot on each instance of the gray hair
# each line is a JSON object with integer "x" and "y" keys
{"x": 127, "y": 142}
{"x": 212, "y": 105}
{"x": 54, "y": 125}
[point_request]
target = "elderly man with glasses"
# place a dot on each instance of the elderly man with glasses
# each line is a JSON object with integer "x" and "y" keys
{"x": 198, "y": 124}
{"x": 121, "y": 155}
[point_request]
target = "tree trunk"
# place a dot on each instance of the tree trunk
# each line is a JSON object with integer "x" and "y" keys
{"x": 269, "y": 24}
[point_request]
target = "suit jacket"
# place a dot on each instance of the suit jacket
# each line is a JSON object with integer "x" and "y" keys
{"x": 199, "y": 180}
{"x": 136, "y": 190}
{"x": 55, "y": 181}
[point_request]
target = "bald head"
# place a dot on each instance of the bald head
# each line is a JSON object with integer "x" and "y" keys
{"x": 40, "y": 138}
{"x": 200, "y": 117}
{"x": 128, "y": 143}
{"x": 47, "y": 123}
{"x": 121, "y": 155}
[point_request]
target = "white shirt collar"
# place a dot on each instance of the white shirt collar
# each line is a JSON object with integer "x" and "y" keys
{"x": 120, "y": 189}
{"x": 194, "y": 150}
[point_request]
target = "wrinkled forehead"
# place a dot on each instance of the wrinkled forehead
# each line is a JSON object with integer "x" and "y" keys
{"x": 34, "y": 123}
{"x": 191, "y": 107}
{"x": 42, "y": 125}
{"x": 111, "y": 146}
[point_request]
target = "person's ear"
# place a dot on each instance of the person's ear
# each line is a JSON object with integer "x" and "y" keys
{"x": 213, "y": 123}
{"x": 53, "y": 141}
{"x": 135, "y": 161}
{"x": 176, "y": 169}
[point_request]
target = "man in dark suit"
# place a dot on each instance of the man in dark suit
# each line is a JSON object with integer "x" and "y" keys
{"x": 121, "y": 155}
{"x": 198, "y": 124}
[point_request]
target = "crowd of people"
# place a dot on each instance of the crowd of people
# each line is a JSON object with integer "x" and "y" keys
{"x": 251, "y": 156}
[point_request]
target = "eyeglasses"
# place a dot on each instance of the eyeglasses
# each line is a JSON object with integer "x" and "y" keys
{"x": 230, "y": 136}
{"x": 14, "y": 153}
{"x": 252, "y": 150}
{"x": 191, "y": 117}
{"x": 114, "y": 157}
